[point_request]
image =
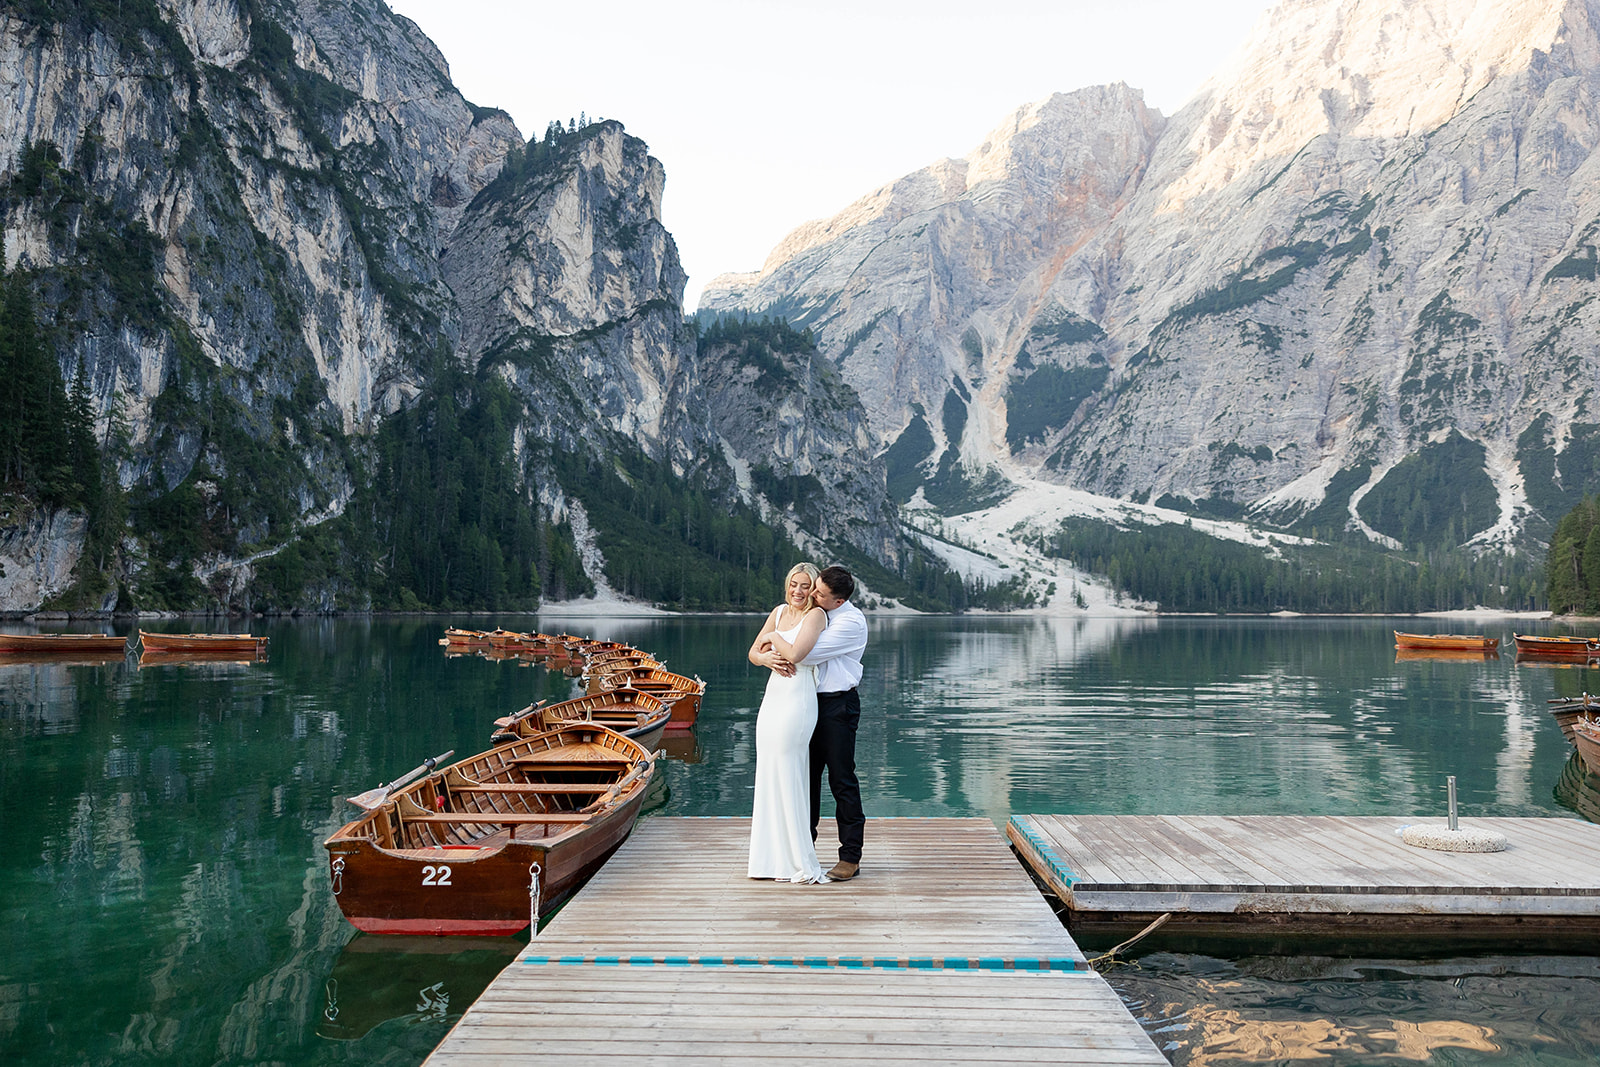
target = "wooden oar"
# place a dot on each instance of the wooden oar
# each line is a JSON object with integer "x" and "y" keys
{"x": 519, "y": 716}
{"x": 374, "y": 797}
{"x": 615, "y": 789}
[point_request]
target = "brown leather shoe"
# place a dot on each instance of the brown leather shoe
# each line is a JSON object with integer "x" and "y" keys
{"x": 843, "y": 871}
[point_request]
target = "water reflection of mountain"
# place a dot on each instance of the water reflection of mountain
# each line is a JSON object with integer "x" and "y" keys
{"x": 1143, "y": 716}
{"x": 39, "y": 697}
{"x": 409, "y": 981}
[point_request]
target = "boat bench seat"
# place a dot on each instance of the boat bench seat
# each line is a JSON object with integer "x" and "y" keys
{"x": 534, "y": 787}
{"x": 517, "y": 818}
{"x": 531, "y": 762}
{"x": 603, "y": 718}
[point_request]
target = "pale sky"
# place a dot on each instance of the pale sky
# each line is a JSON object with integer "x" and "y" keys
{"x": 767, "y": 114}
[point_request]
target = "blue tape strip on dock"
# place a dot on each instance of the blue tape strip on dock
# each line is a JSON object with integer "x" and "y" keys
{"x": 1046, "y": 854}
{"x": 849, "y": 963}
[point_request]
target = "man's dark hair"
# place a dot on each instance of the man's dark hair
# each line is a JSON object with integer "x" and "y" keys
{"x": 839, "y": 581}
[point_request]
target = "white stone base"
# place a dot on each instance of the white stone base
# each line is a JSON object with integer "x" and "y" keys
{"x": 1444, "y": 839}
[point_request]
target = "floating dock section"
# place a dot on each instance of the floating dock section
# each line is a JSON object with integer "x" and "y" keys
{"x": 1317, "y": 870}
{"x": 942, "y": 950}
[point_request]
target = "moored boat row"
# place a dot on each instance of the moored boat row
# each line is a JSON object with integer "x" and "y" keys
{"x": 605, "y": 666}
{"x": 482, "y": 845}
{"x": 111, "y": 645}
{"x": 1532, "y": 649}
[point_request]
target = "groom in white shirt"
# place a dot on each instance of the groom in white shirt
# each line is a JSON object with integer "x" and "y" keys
{"x": 837, "y": 657}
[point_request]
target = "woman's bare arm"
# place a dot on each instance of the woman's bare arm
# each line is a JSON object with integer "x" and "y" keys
{"x": 763, "y": 639}
{"x": 810, "y": 627}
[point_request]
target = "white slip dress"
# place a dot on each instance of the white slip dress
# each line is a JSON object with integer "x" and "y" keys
{"x": 780, "y": 826}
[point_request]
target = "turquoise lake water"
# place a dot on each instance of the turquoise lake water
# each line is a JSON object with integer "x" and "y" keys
{"x": 166, "y": 897}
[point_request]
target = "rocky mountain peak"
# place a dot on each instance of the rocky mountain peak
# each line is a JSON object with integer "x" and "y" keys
{"x": 1364, "y": 251}
{"x": 1371, "y": 70}
{"x": 995, "y": 223}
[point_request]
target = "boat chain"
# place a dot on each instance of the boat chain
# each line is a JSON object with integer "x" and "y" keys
{"x": 338, "y": 874}
{"x": 534, "y": 870}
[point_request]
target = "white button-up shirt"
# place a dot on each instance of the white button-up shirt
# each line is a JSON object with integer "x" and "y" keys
{"x": 837, "y": 653}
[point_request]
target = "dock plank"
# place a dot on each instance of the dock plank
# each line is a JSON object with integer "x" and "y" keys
{"x": 941, "y": 950}
{"x": 1259, "y": 866}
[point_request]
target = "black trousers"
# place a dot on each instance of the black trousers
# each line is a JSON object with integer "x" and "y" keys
{"x": 833, "y": 745}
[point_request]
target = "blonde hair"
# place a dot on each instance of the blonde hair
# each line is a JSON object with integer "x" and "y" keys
{"x": 810, "y": 571}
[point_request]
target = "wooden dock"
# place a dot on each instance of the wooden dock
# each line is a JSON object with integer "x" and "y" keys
{"x": 1324, "y": 870}
{"x": 941, "y": 950}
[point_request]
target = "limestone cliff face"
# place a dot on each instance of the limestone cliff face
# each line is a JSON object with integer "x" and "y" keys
{"x": 263, "y": 227}
{"x": 1352, "y": 245}
{"x": 577, "y": 301}
{"x": 918, "y": 289}
{"x": 1371, "y": 234}
{"x": 797, "y": 436}
{"x": 233, "y": 213}
{"x": 275, "y": 162}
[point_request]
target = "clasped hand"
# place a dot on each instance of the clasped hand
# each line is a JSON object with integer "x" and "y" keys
{"x": 774, "y": 660}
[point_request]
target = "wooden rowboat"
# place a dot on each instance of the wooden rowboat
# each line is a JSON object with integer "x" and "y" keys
{"x": 1557, "y": 646}
{"x": 462, "y": 850}
{"x": 464, "y": 638}
{"x": 65, "y": 644}
{"x": 622, "y": 659}
{"x": 632, "y": 714}
{"x": 614, "y": 663}
{"x": 539, "y": 644}
{"x": 1475, "y": 642}
{"x": 592, "y": 649}
{"x": 510, "y": 639}
{"x": 1570, "y": 710}
{"x": 248, "y": 644}
{"x": 601, "y": 655}
{"x": 682, "y": 693}
{"x": 562, "y": 650}
{"x": 1586, "y": 735}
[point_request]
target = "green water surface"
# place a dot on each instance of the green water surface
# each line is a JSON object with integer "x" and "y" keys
{"x": 165, "y": 894}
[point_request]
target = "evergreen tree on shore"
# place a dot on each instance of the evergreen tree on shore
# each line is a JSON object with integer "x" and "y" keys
{"x": 1572, "y": 570}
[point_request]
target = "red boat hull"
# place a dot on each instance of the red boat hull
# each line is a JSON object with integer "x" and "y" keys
{"x": 1557, "y": 646}
{"x": 440, "y": 891}
{"x": 247, "y": 644}
{"x": 396, "y": 870}
{"x": 63, "y": 643}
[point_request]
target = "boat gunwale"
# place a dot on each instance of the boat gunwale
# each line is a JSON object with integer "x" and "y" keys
{"x": 363, "y": 830}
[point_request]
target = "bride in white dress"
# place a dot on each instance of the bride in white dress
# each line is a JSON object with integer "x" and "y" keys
{"x": 780, "y": 828}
